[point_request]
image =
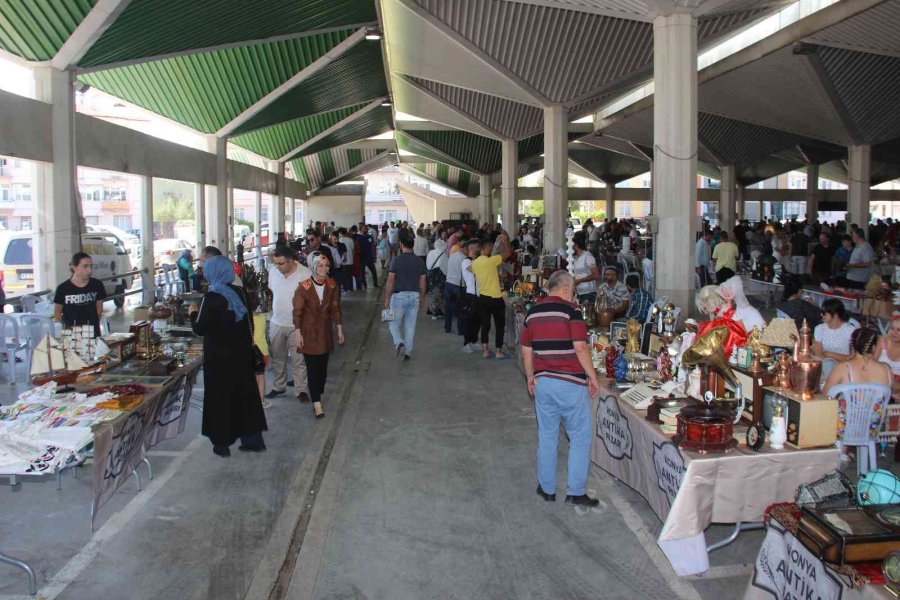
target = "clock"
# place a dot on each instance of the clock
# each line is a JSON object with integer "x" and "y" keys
{"x": 756, "y": 436}
{"x": 890, "y": 567}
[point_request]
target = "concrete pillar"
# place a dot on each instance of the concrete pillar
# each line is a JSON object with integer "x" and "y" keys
{"x": 218, "y": 231}
{"x": 739, "y": 203}
{"x": 148, "y": 276}
{"x": 58, "y": 215}
{"x": 199, "y": 217}
{"x": 812, "y": 192}
{"x": 276, "y": 221}
{"x": 610, "y": 201}
{"x": 292, "y": 222}
{"x": 859, "y": 165}
{"x": 257, "y": 224}
{"x": 728, "y": 198}
{"x": 675, "y": 154}
{"x": 486, "y": 204}
{"x": 508, "y": 189}
{"x": 556, "y": 176}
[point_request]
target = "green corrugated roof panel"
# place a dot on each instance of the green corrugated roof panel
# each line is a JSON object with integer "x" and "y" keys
{"x": 472, "y": 151}
{"x": 356, "y": 76}
{"x": 452, "y": 178}
{"x": 374, "y": 122}
{"x": 276, "y": 141}
{"x": 37, "y": 29}
{"x": 158, "y": 27}
{"x": 415, "y": 142}
{"x": 206, "y": 91}
{"x": 335, "y": 165}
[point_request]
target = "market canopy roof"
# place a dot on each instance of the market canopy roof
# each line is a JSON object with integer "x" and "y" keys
{"x": 296, "y": 80}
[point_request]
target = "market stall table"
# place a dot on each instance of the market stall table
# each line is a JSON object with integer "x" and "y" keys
{"x": 689, "y": 491}
{"x": 784, "y": 568}
{"x": 852, "y": 303}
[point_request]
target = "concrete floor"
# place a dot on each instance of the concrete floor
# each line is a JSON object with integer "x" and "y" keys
{"x": 419, "y": 483}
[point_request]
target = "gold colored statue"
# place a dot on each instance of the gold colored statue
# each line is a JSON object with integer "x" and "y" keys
{"x": 757, "y": 347}
{"x": 633, "y": 344}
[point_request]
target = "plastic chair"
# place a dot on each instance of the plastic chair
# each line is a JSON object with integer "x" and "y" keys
{"x": 174, "y": 284}
{"x": 33, "y": 329}
{"x": 863, "y": 417}
{"x": 827, "y": 365}
{"x": 11, "y": 343}
{"x": 29, "y": 303}
{"x": 647, "y": 266}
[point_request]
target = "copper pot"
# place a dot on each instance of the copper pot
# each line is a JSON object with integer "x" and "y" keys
{"x": 605, "y": 316}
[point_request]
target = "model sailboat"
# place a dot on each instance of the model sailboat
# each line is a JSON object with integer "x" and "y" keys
{"x": 50, "y": 363}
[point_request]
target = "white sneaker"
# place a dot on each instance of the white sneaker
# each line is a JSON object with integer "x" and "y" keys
{"x": 266, "y": 403}
{"x": 467, "y": 348}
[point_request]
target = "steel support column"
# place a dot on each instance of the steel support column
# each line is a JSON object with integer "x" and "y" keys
{"x": 859, "y": 166}
{"x": 556, "y": 176}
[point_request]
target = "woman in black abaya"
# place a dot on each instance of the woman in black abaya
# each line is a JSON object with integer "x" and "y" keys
{"x": 232, "y": 407}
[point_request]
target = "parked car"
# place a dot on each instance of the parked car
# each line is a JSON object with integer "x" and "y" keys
{"x": 129, "y": 241}
{"x": 167, "y": 250}
{"x": 17, "y": 262}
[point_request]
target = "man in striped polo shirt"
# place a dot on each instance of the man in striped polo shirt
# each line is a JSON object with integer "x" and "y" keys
{"x": 562, "y": 379}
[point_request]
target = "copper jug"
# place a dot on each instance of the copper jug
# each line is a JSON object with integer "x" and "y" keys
{"x": 805, "y": 370}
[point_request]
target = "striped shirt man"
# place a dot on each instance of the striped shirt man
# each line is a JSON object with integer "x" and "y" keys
{"x": 640, "y": 304}
{"x": 551, "y": 328}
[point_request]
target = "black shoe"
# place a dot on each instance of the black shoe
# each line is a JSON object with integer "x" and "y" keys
{"x": 406, "y": 357}
{"x": 545, "y": 495}
{"x": 244, "y": 448}
{"x": 290, "y": 383}
{"x": 303, "y": 397}
{"x": 582, "y": 500}
{"x": 275, "y": 393}
{"x": 222, "y": 451}
{"x": 400, "y": 349}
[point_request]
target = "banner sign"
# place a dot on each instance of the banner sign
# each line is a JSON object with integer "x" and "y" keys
{"x": 786, "y": 569}
{"x": 613, "y": 429}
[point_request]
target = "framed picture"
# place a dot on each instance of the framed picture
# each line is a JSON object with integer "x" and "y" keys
{"x": 646, "y": 333}
{"x": 618, "y": 330}
{"x": 744, "y": 357}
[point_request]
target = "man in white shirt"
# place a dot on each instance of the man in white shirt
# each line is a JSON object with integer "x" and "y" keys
{"x": 862, "y": 260}
{"x": 702, "y": 255}
{"x": 472, "y": 320}
{"x": 347, "y": 266}
{"x": 586, "y": 273}
{"x": 393, "y": 234}
{"x": 285, "y": 275}
{"x": 453, "y": 289}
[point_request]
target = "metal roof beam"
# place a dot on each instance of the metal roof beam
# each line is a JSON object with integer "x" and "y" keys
{"x": 701, "y": 141}
{"x": 538, "y": 98}
{"x": 337, "y": 126}
{"x": 446, "y": 158}
{"x": 594, "y": 10}
{"x": 831, "y": 93}
{"x": 258, "y": 106}
{"x": 97, "y": 21}
{"x": 423, "y": 126}
{"x": 422, "y": 175}
{"x": 463, "y": 115}
{"x": 360, "y": 169}
{"x": 241, "y": 44}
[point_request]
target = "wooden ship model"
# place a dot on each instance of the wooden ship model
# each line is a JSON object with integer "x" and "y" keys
{"x": 50, "y": 362}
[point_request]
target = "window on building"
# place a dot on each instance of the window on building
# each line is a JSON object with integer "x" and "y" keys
{"x": 624, "y": 209}
{"x": 4, "y": 194}
{"x": 25, "y": 224}
{"x": 4, "y": 223}
{"x": 264, "y": 215}
{"x": 92, "y": 220}
{"x": 122, "y": 221}
{"x": 21, "y": 192}
{"x": 239, "y": 214}
{"x": 115, "y": 194}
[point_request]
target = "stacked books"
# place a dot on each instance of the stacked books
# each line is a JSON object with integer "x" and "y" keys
{"x": 669, "y": 418}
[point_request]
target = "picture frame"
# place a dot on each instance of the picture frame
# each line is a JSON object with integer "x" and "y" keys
{"x": 646, "y": 334}
{"x": 618, "y": 330}
{"x": 744, "y": 357}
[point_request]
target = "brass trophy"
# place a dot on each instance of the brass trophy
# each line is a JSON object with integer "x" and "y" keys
{"x": 633, "y": 343}
{"x": 806, "y": 370}
{"x": 760, "y": 352}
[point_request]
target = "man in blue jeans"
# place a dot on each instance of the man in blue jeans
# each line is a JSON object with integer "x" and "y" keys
{"x": 453, "y": 287}
{"x": 562, "y": 379}
{"x": 404, "y": 292}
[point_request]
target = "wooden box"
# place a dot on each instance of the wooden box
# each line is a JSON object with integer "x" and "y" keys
{"x": 865, "y": 534}
{"x": 810, "y": 423}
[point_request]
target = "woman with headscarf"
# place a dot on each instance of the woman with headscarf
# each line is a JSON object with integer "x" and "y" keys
{"x": 317, "y": 308}
{"x": 232, "y": 407}
{"x": 186, "y": 272}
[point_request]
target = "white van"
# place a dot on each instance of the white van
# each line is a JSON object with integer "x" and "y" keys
{"x": 129, "y": 241}
{"x": 17, "y": 262}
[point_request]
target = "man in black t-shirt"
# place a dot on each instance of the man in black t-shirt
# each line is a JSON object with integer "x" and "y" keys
{"x": 820, "y": 261}
{"x": 79, "y": 300}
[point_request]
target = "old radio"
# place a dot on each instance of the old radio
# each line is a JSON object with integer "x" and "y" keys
{"x": 810, "y": 423}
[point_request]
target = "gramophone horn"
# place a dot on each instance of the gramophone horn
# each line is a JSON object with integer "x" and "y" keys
{"x": 708, "y": 350}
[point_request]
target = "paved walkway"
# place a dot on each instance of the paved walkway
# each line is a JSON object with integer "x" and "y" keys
{"x": 419, "y": 483}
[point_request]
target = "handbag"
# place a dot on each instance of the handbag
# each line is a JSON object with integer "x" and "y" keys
{"x": 259, "y": 361}
{"x": 387, "y": 315}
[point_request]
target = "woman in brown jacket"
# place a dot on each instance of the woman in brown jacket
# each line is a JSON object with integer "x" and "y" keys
{"x": 317, "y": 304}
